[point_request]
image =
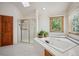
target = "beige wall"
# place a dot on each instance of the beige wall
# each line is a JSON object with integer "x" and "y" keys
{"x": 43, "y": 19}
{"x": 44, "y": 22}
{"x": 11, "y": 10}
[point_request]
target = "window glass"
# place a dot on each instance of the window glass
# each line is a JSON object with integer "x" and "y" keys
{"x": 56, "y": 24}
{"x": 75, "y": 22}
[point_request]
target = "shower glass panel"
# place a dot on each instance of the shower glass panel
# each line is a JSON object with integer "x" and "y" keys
{"x": 25, "y": 31}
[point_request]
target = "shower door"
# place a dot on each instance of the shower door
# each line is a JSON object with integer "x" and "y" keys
{"x": 25, "y": 31}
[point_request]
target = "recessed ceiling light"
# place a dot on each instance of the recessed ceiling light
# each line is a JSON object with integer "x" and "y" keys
{"x": 44, "y": 8}
{"x": 26, "y": 4}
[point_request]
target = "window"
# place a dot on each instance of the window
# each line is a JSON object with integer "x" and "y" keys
{"x": 75, "y": 22}
{"x": 56, "y": 24}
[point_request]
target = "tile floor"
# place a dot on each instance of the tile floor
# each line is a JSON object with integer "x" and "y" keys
{"x": 22, "y": 49}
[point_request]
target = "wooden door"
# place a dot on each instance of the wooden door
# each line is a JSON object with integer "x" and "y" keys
{"x": 0, "y": 30}
{"x": 7, "y": 30}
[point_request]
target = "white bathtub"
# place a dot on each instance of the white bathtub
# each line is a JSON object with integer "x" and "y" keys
{"x": 61, "y": 44}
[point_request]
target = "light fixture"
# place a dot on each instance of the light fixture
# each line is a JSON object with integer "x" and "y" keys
{"x": 26, "y": 4}
{"x": 44, "y": 8}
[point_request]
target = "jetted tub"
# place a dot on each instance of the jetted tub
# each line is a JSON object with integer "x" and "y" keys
{"x": 61, "y": 44}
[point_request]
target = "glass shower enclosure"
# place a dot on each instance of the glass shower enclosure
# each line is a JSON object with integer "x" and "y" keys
{"x": 25, "y": 31}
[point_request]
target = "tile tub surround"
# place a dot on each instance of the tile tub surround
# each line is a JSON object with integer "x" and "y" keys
{"x": 71, "y": 52}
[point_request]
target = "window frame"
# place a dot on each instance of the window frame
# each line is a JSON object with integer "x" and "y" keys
{"x": 71, "y": 20}
{"x": 51, "y": 19}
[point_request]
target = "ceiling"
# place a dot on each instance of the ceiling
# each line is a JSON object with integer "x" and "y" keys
{"x": 51, "y": 8}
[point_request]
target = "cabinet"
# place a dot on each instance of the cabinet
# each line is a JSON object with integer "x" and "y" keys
{"x": 46, "y": 53}
{"x": 6, "y": 30}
